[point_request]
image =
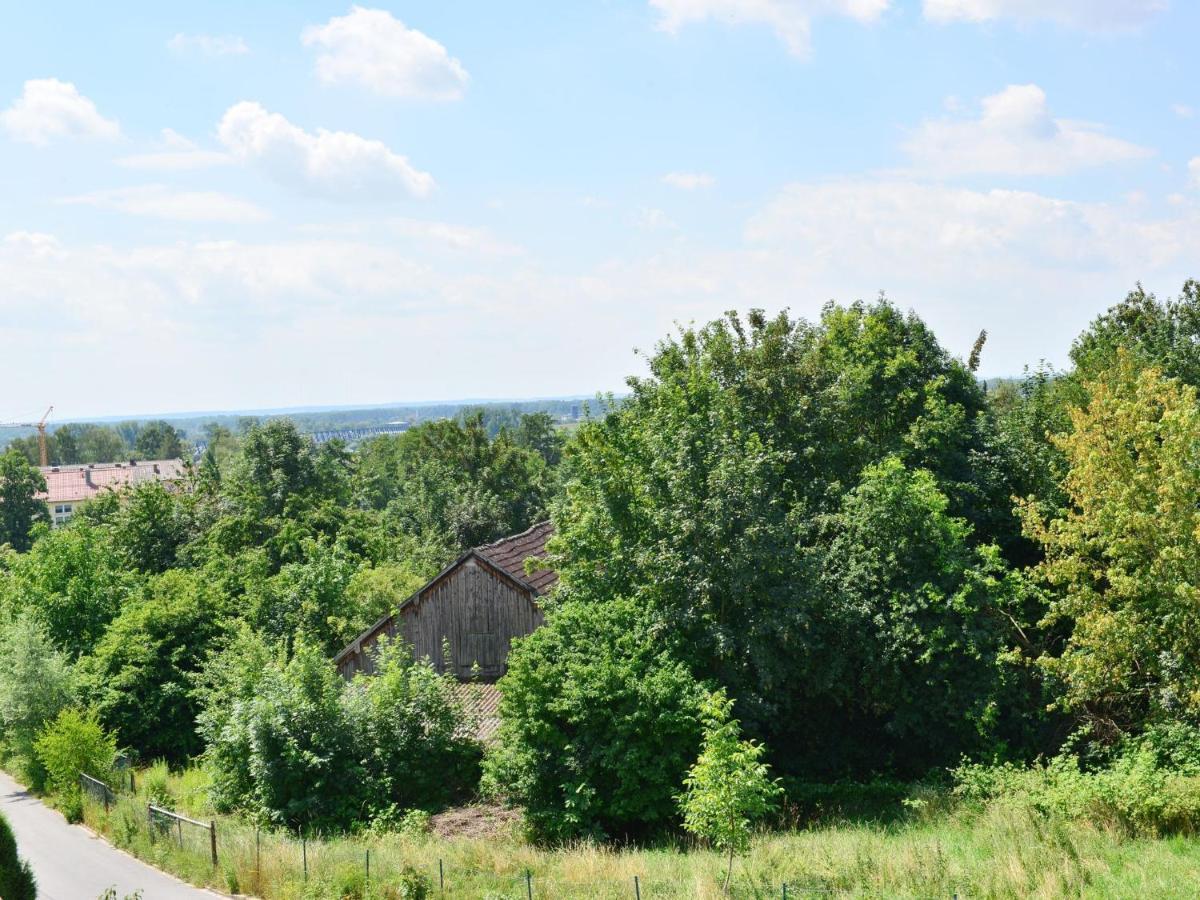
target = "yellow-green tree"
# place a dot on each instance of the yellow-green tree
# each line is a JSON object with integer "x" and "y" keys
{"x": 1124, "y": 558}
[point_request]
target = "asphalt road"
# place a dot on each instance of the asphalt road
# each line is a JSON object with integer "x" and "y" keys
{"x": 71, "y": 864}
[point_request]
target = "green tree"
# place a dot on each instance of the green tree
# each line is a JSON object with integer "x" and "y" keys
{"x": 1162, "y": 334}
{"x": 599, "y": 721}
{"x": 1124, "y": 557}
{"x": 729, "y": 786}
{"x": 20, "y": 508}
{"x": 138, "y": 677}
{"x": 151, "y": 526}
{"x": 36, "y": 683}
{"x": 715, "y": 493}
{"x": 75, "y": 582}
{"x": 158, "y": 440}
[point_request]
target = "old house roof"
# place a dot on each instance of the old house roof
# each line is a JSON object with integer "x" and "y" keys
{"x": 506, "y": 556}
{"x": 511, "y": 552}
{"x": 74, "y": 484}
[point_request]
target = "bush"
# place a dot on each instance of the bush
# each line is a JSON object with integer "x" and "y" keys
{"x": 599, "y": 723}
{"x": 294, "y": 744}
{"x": 16, "y": 877}
{"x": 1135, "y": 791}
{"x": 75, "y": 742}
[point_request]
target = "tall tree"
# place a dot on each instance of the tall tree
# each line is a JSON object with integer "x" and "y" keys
{"x": 20, "y": 508}
{"x": 1124, "y": 558}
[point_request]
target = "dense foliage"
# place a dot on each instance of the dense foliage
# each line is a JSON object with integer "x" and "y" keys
{"x": 885, "y": 564}
{"x": 294, "y": 744}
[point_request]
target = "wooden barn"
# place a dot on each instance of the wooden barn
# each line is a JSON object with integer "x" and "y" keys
{"x": 477, "y": 605}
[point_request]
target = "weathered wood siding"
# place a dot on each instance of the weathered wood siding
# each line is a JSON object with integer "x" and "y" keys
{"x": 475, "y": 608}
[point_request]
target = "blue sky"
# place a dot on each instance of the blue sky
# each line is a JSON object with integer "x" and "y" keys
{"x": 236, "y": 205}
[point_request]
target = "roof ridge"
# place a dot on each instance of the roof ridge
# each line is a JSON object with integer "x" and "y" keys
{"x": 513, "y": 537}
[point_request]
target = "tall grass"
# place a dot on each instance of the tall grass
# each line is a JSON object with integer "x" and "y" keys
{"x": 980, "y": 850}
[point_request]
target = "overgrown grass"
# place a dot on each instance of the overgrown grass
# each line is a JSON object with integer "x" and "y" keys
{"x": 940, "y": 847}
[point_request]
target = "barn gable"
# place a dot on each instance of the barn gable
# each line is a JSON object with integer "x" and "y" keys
{"x": 475, "y": 607}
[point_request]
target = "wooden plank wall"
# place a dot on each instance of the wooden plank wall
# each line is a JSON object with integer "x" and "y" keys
{"x": 476, "y": 610}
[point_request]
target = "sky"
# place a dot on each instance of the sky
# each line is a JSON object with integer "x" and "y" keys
{"x": 232, "y": 205}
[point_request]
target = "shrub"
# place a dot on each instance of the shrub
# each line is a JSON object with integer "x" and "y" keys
{"x": 599, "y": 722}
{"x": 16, "y": 877}
{"x": 75, "y": 742}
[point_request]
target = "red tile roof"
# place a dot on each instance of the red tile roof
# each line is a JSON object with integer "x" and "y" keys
{"x": 510, "y": 554}
{"x": 74, "y": 484}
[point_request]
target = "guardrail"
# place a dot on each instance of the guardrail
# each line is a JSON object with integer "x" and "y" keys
{"x": 97, "y": 788}
{"x": 167, "y": 816}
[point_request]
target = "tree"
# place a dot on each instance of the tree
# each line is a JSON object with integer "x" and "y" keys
{"x": 1165, "y": 335}
{"x": 158, "y": 440}
{"x": 20, "y": 509}
{"x": 729, "y": 787}
{"x": 74, "y": 581}
{"x": 715, "y": 492}
{"x": 138, "y": 677}
{"x": 16, "y": 876}
{"x": 1124, "y": 556}
{"x": 599, "y": 721}
{"x": 36, "y": 683}
{"x": 151, "y": 527}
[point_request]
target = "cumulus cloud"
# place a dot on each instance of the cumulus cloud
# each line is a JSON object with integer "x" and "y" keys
{"x": 688, "y": 181}
{"x": 49, "y": 109}
{"x": 791, "y": 20}
{"x": 209, "y": 44}
{"x": 1092, "y": 15}
{"x": 338, "y": 164}
{"x": 373, "y": 49}
{"x": 175, "y": 153}
{"x": 161, "y": 202}
{"x": 1015, "y": 134}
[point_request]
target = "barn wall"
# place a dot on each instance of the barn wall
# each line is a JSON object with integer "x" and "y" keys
{"x": 476, "y": 610}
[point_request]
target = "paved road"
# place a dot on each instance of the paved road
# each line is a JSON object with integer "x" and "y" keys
{"x": 71, "y": 864}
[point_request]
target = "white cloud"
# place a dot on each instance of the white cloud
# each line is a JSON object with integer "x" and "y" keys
{"x": 1194, "y": 171}
{"x": 1092, "y": 15}
{"x": 209, "y": 44}
{"x": 338, "y": 164}
{"x": 175, "y": 153}
{"x": 1015, "y": 135}
{"x": 372, "y": 48}
{"x": 653, "y": 219}
{"x": 790, "y": 19}
{"x": 688, "y": 181}
{"x": 1183, "y": 111}
{"x": 49, "y": 108}
{"x": 161, "y": 202}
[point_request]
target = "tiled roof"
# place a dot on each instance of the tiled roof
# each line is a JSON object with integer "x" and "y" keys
{"x": 74, "y": 484}
{"x": 510, "y": 554}
{"x": 481, "y": 706}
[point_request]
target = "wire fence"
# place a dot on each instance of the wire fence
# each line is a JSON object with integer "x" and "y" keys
{"x": 243, "y": 858}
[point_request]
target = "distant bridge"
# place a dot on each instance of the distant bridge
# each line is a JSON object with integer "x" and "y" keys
{"x": 355, "y": 435}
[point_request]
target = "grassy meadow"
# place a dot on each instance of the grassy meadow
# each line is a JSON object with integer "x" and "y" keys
{"x": 934, "y": 848}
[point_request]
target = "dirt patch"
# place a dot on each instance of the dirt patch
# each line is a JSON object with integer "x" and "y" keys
{"x": 479, "y": 821}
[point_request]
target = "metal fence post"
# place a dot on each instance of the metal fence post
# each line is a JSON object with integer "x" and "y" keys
{"x": 304, "y": 854}
{"x": 179, "y": 828}
{"x": 785, "y": 890}
{"x": 529, "y": 884}
{"x": 441, "y": 878}
{"x": 257, "y": 857}
{"x": 212, "y": 833}
{"x": 368, "y": 865}
{"x": 637, "y": 888}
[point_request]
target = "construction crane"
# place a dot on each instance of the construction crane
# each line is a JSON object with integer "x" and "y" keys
{"x": 43, "y": 452}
